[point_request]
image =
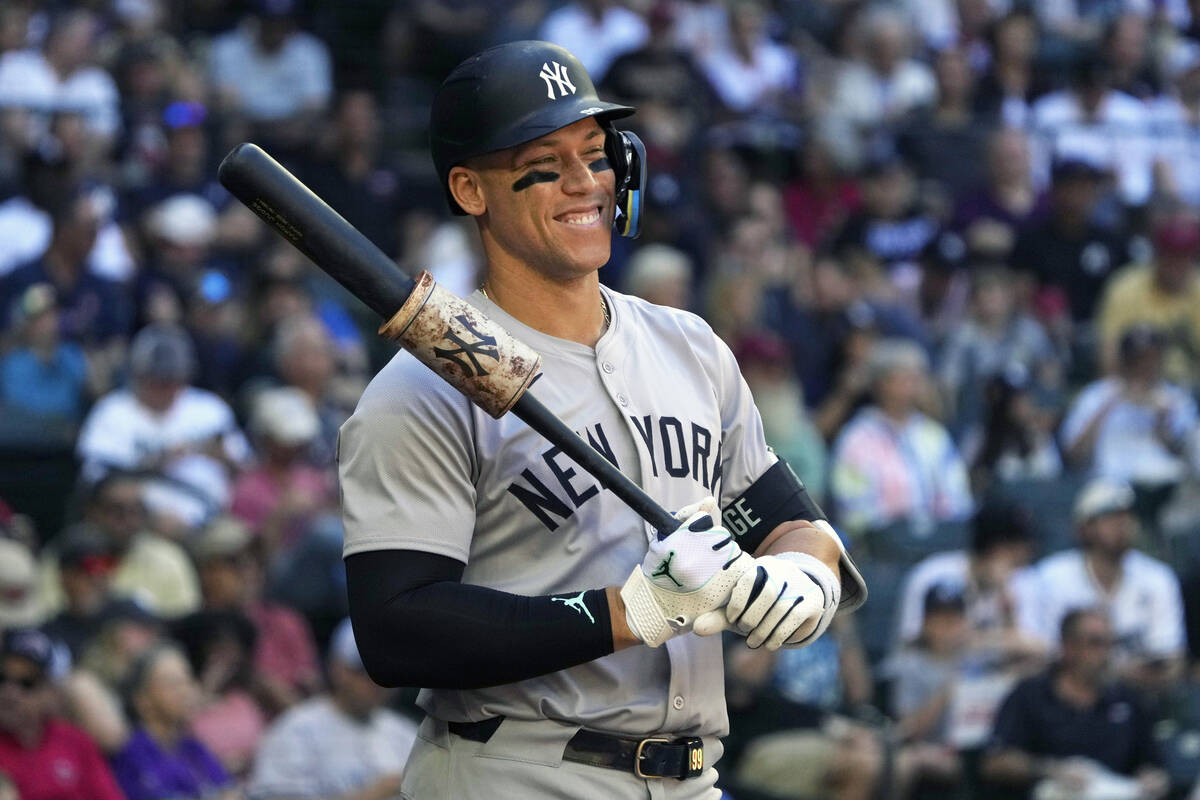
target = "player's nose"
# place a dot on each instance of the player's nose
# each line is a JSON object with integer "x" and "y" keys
{"x": 579, "y": 178}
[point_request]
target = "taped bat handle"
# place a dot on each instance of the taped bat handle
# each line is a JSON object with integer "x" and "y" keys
{"x": 530, "y": 410}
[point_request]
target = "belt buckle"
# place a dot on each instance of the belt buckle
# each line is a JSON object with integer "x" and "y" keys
{"x": 637, "y": 758}
{"x": 695, "y": 755}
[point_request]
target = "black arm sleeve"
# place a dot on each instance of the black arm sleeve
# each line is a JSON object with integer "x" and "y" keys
{"x": 417, "y": 625}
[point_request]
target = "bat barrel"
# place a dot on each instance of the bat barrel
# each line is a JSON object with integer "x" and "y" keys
{"x": 315, "y": 229}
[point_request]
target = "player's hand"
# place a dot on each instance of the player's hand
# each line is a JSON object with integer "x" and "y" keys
{"x": 783, "y": 600}
{"x": 689, "y": 573}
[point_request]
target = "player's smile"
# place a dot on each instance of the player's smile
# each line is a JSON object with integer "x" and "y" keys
{"x": 589, "y": 217}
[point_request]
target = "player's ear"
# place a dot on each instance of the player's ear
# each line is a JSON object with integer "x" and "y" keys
{"x": 467, "y": 190}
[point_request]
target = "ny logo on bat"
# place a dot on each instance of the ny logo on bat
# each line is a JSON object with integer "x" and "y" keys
{"x": 467, "y": 354}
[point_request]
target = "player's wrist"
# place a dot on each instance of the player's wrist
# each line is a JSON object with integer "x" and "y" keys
{"x": 622, "y": 635}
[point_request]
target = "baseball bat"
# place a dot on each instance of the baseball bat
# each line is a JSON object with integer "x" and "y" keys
{"x": 450, "y": 336}
{"x": 337, "y": 247}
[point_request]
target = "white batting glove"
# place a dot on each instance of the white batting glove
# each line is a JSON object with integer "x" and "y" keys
{"x": 784, "y": 600}
{"x": 689, "y": 573}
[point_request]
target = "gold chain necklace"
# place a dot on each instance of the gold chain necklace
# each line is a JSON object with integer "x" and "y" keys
{"x": 603, "y": 305}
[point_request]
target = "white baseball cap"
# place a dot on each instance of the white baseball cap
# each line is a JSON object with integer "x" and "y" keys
{"x": 1102, "y": 496}
{"x": 185, "y": 219}
{"x": 286, "y": 415}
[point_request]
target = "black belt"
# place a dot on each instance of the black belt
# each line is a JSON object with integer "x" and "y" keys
{"x": 653, "y": 757}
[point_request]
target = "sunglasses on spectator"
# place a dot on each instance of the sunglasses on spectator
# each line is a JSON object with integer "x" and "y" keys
{"x": 1095, "y": 640}
{"x": 26, "y": 682}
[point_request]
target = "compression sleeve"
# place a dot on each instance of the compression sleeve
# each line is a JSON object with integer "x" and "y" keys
{"x": 417, "y": 625}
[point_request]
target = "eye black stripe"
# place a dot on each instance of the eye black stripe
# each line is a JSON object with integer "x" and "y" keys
{"x": 530, "y": 178}
{"x": 600, "y": 164}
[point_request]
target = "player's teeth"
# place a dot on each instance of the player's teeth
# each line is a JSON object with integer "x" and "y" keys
{"x": 582, "y": 219}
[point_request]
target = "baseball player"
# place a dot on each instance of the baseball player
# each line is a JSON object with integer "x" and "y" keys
{"x": 487, "y": 567}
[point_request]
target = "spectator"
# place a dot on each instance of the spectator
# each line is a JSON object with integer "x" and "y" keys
{"x": 162, "y": 424}
{"x": 791, "y": 733}
{"x": 944, "y": 142}
{"x": 85, "y": 567}
{"x": 94, "y": 312}
{"x": 1126, "y": 51}
{"x": 230, "y": 719}
{"x": 149, "y": 569}
{"x": 162, "y": 758}
{"x": 20, "y": 604}
{"x": 62, "y": 75}
{"x": 821, "y": 198}
{"x": 779, "y": 397}
{"x": 1068, "y": 254}
{"x": 344, "y": 744}
{"x": 351, "y": 176}
{"x": 991, "y": 218}
{"x": 887, "y": 82}
{"x": 1139, "y": 594}
{"x": 595, "y": 31}
{"x": 925, "y": 675}
{"x": 283, "y": 490}
{"x": 1134, "y": 426}
{"x": 663, "y": 80}
{"x": 1001, "y": 543}
{"x": 46, "y": 757}
{"x": 270, "y": 71}
{"x": 996, "y": 336}
{"x": 231, "y": 576}
{"x": 891, "y": 225}
{"x": 1176, "y": 116}
{"x": 1093, "y": 122}
{"x": 1070, "y": 728}
{"x": 1015, "y": 439}
{"x": 1006, "y": 91}
{"x": 892, "y": 463}
{"x": 180, "y": 232}
{"x": 1164, "y": 293}
{"x": 749, "y": 72}
{"x": 43, "y": 376}
{"x": 660, "y": 274}
{"x": 305, "y": 359}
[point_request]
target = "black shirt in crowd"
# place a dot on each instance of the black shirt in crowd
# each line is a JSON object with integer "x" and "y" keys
{"x": 1115, "y": 732}
{"x": 1079, "y": 265}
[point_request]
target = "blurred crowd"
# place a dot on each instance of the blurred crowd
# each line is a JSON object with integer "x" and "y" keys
{"x": 954, "y": 245}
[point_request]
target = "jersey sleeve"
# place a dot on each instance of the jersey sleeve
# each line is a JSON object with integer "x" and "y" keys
{"x": 405, "y": 463}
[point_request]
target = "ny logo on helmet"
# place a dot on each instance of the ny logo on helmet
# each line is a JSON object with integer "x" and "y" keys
{"x": 557, "y": 75}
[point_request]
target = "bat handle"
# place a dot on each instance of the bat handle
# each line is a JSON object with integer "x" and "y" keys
{"x": 529, "y": 409}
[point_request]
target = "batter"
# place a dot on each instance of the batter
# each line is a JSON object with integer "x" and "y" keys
{"x": 487, "y": 567}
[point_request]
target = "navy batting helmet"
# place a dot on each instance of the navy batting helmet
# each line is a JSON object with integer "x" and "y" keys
{"x": 514, "y": 93}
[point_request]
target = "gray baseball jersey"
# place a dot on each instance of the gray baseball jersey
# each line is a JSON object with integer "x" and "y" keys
{"x": 424, "y": 469}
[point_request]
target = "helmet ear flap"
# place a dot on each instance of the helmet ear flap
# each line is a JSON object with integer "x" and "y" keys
{"x": 627, "y": 155}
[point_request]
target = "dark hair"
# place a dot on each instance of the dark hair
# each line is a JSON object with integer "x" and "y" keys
{"x": 115, "y": 477}
{"x": 998, "y": 522}
{"x": 1074, "y": 618}
{"x": 1001, "y": 433}
{"x": 197, "y": 632}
